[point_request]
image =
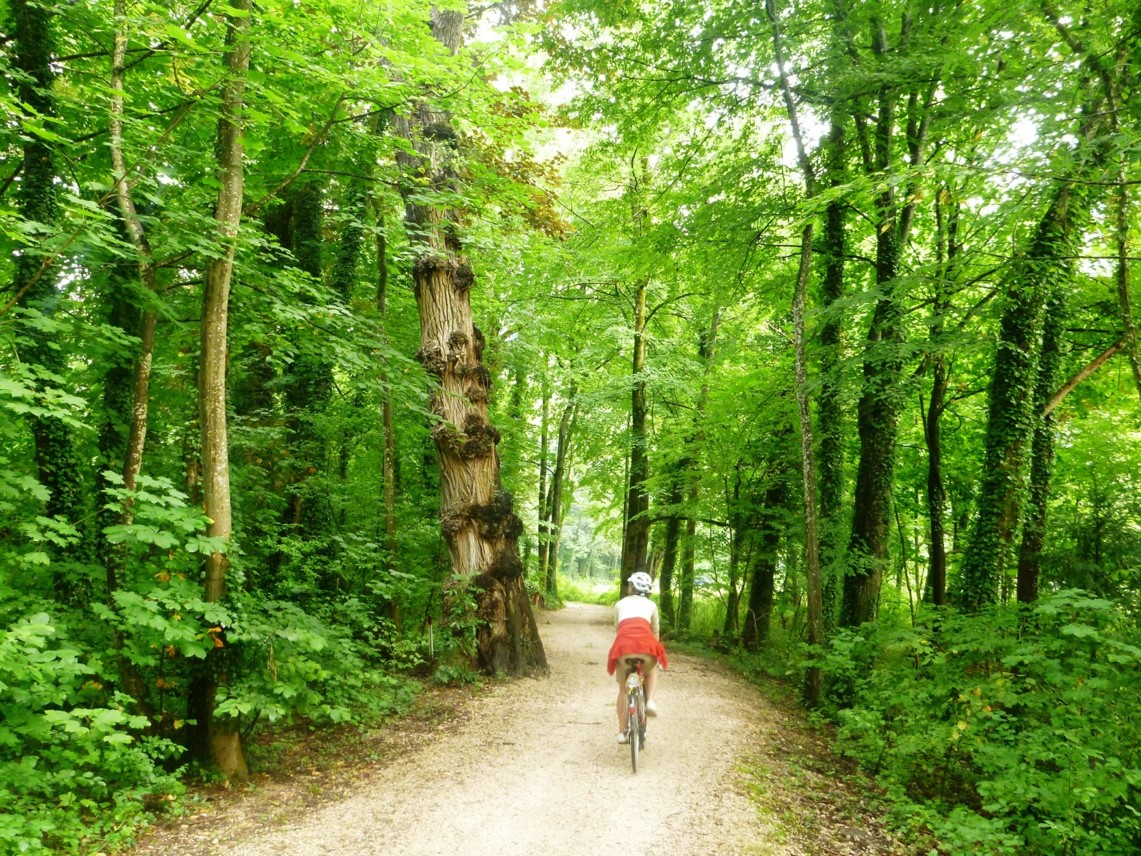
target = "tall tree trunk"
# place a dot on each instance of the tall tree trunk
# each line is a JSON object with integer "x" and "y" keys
{"x": 342, "y": 281}
{"x": 881, "y": 399}
{"x": 138, "y": 237}
{"x": 1011, "y": 394}
{"x": 35, "y": 284}
{"x": 129, "y": 675}
{"x": 1042, "y": 269}
{"x": 879, "y": 405}
{"x": 812, "y": 685}
{"x": 764, "y": 542}
{"x": 308, "y": 386}
{"x": 636, "y": 542}
{"x": 558, "y": 479}
{"x": 1041, "y": 451}
{"x": 830, "y": 407}
{"x": 670, "y": 547}
{"x": 121, "y": 313}
{"x": 218, "y": 740}
{"x": 947, "y": 229}
{"x": 688, "y": 558}
{"x": 706, "y": 348}
{"x": 477, "y": 515}
{"x": 730, "y": 629}
{"x": 388, "y": 465}
{"x": 544, "y": 531}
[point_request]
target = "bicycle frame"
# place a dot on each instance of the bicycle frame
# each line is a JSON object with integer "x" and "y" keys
{"x": 635, "y": 709}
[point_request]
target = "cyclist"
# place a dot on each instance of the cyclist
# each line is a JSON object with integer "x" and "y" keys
{"x": 636, "y": 619}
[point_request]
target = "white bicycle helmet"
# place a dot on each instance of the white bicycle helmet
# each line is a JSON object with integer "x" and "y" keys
{"x": 641, "y": 582}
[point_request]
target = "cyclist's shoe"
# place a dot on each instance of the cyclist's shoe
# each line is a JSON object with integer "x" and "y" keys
{"x": 622, "y": 738}
{"x": 652, "y": 708}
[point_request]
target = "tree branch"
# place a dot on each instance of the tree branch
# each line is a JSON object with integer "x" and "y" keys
{"x": 1095, "y": 364}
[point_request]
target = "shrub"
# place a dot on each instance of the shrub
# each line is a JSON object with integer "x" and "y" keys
{"x": 74, "y": 767}
{"x": 1012, "y": 730}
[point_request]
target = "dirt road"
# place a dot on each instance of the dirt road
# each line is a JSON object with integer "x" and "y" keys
{"x": 533, "y": 768}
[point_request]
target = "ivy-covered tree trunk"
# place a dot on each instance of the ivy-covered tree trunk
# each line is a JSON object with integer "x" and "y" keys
{"x": 308, "y": 384}
{"x": 217, "y": 740}
{"x": 477, "y": 516}
{"x": 1043, "y": 268}
{"x": 1041, "y": 451}
{"x": 120, "y": 312}
{"x": 35, "y": 285}
{"x": 1121, "y": 275}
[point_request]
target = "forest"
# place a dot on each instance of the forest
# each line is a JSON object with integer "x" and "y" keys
{"x": 338, "y": 338}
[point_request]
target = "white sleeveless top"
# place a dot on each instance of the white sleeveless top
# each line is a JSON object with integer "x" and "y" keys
{"x": 636, "y": 606}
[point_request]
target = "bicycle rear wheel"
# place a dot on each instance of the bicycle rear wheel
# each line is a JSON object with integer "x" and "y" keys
{"x": 633, "y": 736}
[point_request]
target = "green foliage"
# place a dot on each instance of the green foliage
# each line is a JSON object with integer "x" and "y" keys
{"x": 1005, "y": 731}
{"x": 588, "y": 590}
{"x": 295, "y": 664}
{"x": 75, "y": 764}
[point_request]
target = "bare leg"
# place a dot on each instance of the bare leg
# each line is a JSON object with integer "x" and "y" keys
{"x": 651, "y": 679}
{"x": 621, "y": 709}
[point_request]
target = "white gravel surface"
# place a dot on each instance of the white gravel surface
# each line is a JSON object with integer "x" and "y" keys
{"x": 532, "y": 768}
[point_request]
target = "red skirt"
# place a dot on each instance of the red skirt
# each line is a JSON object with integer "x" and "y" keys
{"x": 635, "y": 636}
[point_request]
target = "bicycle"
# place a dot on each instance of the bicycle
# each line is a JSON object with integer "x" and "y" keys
{"x": 635, "y": 709}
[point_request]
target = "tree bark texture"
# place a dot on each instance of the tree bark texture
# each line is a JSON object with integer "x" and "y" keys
{"x": 220, "y": 736}
{"x": 477, "y": 516}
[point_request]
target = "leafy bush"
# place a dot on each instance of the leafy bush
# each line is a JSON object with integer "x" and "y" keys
{"x": 73, "y": 766}
{"x": 292, "y": 663}
{"x": 1009, "y": 731}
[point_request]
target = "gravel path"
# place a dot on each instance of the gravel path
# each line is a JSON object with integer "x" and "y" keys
{"x": 533, "y": 768}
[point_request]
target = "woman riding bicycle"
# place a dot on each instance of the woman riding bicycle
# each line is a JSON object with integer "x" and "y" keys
{"x": 636, "y": 617}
